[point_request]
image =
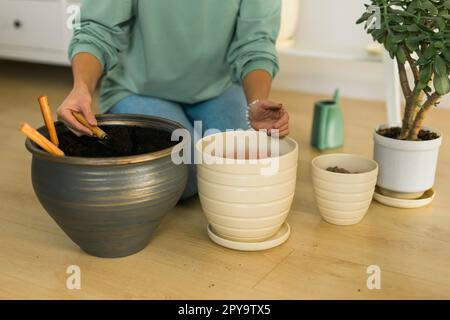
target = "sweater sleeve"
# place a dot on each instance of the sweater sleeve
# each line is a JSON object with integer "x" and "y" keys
{"x": 254, "y": 43}
{"x": 104, "y": 30}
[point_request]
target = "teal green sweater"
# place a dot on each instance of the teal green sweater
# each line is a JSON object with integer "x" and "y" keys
{"x": 181, "y": 50}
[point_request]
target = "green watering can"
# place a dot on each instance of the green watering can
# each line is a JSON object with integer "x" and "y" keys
{"x": 328, "y": 125}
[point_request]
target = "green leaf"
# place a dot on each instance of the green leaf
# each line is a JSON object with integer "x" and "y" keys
{"x": 426, "y": 29}
{"x": 440, "y": 67}
{"x": 413, "y": 43}
{"x": 427, "y": 56}
{"x": 412, "y": 7}
{"x": 363, "y": 18}
{"x": 377, "y": 34}
{"x": 397, "y": 19}
{"x": 439, "y": 45}
{"x": 430, "y": 7}
{"x": 398, "y": 38}
{"x": 412, "y": 28}
{"x": 442, "y": 85}
{"x": 401, "y": 12}
{"x": 400, "y": 29}
{"x": 446, "y": 54}
{"x": 425, "y": 76}
{"x": 390, "y": 46}
{"x": 441, "y": 23}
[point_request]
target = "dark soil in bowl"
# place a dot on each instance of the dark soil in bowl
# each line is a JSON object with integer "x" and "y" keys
{"x": 340, "y": 170}
{"x": 394, "y": 133}
{"x": 125, "y": 141}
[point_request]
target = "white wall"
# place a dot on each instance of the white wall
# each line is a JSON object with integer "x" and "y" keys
{"x": 329, "y": 25}
{"x": 327, "y": 28}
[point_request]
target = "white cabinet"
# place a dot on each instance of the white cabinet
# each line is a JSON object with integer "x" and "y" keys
{"x": 35, "y": 30}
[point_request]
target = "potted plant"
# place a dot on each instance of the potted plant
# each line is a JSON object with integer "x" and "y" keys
{"x": 416, "y": 33}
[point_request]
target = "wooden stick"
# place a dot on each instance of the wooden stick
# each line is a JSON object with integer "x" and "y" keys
{"x": 99, "y": 133}
{"x": 47, "y": 114}
{"x": 39, "y": 139}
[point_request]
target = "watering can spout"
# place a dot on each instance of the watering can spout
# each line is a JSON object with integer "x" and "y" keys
{"x": 337, "y": 95}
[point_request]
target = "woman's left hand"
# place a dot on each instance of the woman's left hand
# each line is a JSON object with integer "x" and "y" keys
{"x": 268, "y": 115}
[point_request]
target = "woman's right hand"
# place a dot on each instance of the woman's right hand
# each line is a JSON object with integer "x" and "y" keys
{"x": 80, "y": 100}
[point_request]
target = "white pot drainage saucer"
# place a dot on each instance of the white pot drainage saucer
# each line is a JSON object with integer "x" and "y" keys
{"x": 424, "y": 200}
{"x": 279, "y": 238}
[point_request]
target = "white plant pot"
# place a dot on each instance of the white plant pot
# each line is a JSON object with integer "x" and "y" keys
{"x": 343, "y": 199}
{"x": 290, "y": 12}
{"x": 239, "y": 202}
{"x": 407, "y": 168}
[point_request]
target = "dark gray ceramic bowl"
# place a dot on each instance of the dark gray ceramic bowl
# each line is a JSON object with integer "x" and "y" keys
{"x": 110, "y": 207}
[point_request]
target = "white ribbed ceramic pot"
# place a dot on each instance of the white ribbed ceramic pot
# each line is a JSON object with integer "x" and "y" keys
{"x": 244, "y": 200}
{"x": 343, "y": 199}
{"x": 406, "y": 167}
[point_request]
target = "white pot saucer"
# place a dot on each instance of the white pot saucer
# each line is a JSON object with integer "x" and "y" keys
{"x": 279, "y": 238}
{"x": 424, "y": 200}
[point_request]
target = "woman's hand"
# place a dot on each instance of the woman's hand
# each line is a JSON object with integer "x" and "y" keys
{"x": 268, "y": 115}
{"x": 87, "y": 70}
{"x": 79, "y": 99}
{"x": 264, "y": 114}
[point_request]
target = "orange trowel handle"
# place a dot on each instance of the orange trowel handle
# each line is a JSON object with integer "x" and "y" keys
{"x": 99, "y": 133}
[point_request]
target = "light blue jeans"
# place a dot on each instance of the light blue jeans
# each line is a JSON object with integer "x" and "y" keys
{"x": 227, "y": 111}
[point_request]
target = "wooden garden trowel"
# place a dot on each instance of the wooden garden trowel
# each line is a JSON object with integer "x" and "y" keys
{"x": 102, "y": 136}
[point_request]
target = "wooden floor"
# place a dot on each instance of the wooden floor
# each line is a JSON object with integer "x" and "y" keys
{"x": 412, "y": 247}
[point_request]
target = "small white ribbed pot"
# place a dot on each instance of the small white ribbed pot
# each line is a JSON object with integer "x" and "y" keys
{"x": 240, "y": 203}
{"x": 343, "y": 199}
{"x": 407, "y": 168}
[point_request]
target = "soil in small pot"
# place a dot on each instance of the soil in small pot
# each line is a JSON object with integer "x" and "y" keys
{"x": 337, "y": 169}
{"x": 394, "y": 133}
{"x": 125, "y": 141}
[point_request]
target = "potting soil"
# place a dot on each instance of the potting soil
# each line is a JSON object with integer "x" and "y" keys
{"x": 125, "y": 141}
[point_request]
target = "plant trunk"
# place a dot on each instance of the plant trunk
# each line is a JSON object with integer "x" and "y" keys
{"x": 410, "y": 97}
{"x": 419, "y": 119}
{"x": 418, "y": 123}
{"x": 410, "y": 114}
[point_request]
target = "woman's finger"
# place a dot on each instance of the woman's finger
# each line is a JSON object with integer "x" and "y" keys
{"x": 72, "y": 123}
{"x": 88, "y": 114}
{"x": 284, "y": 133}
{"x": 280, "y": 132}
{"x": 284, "y": 128}
{"x": 283, "y": 121}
